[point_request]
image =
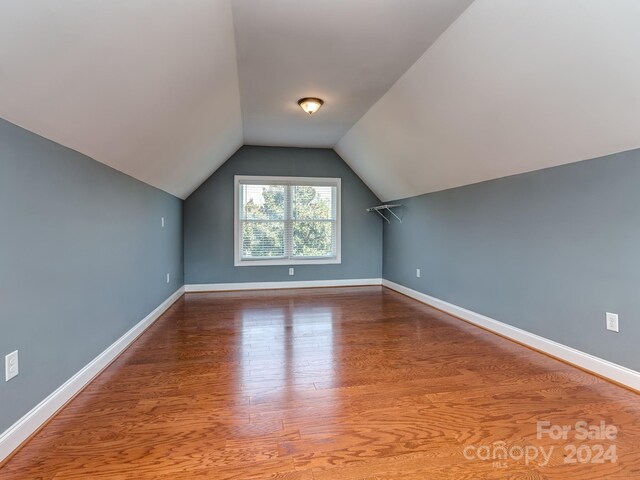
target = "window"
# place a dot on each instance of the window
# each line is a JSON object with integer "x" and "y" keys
{"x": 286, "y": 220}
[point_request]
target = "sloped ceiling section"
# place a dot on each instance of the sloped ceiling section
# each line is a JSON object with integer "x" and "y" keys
{"x": 512, "y": 86}
{"x": 148, "y": 87}
{"x": 346, "y": 52}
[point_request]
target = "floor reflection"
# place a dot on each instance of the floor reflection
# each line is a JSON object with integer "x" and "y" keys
{"x": 313, "y": 343}
{"x": 286, "y": 350}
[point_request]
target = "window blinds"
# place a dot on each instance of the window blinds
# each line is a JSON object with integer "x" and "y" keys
{"x": 287, "y": 220}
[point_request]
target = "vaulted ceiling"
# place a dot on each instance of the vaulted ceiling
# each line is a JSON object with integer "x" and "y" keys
{"x": 148, "y": 87}
{"x": 421, "y": 95}
{"x": 512, "y": 86}
{"x": 348, "y": 53}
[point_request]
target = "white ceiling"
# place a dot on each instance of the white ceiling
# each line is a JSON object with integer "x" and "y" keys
{"x": 154, "y": 88}
{"x": 346, "y": 52}
{"x": 148, "y": 87}
{"x": 512, "y": 86}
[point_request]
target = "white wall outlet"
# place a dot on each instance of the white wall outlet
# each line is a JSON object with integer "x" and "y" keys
{"x": 168, "y": 277}
{"x": 291, "y": 271}
{"x": 162, "y": 221}
{"x": 418, "y": 272}
{"x": 612, "y": 322}
{"x": 11, "y": 367}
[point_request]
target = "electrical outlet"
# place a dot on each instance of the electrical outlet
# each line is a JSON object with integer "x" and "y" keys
{"x": 168, "y": 278}
{"x": 418, "y": 272}
{"x": 612, "y": 322}
{"x": 11, "y": 367}
{"x": 291, "y": 271}
{"x": 162, "y": 221}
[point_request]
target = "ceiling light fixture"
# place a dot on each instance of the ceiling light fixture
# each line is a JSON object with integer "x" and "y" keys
{"x": 310, "y": 104}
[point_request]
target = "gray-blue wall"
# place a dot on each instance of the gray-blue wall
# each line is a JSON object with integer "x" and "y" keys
{"x": 208, "y": 219}
{"x": 549, "y": 251}
{"x": 83, "y": 258}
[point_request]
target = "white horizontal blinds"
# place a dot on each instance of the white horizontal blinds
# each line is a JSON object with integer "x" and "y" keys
{"x": 287, "y": 221}
{"x": 313, "y": 222}
{"x": 262, "y": 221}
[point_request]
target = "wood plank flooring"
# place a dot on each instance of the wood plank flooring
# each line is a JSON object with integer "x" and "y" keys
{"x": 324, "y": 384}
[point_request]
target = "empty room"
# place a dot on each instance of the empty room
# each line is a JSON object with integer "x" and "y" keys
{"x": 319, "y": 239}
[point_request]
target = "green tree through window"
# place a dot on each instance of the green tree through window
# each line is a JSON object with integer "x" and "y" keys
{"x": 288, "y": 221}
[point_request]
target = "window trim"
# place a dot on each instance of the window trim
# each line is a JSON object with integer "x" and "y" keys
{"x": 310, "y": 181}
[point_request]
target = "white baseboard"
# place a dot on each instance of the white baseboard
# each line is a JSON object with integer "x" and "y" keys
{"x": 27, "y": 425}
{"x": 599, "y": 366}
{"x": 221, "y": 287}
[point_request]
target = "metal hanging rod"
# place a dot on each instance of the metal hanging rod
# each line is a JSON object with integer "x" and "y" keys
{"x": 388, "y": 209}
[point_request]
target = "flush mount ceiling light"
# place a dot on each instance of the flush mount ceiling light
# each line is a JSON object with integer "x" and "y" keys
{"x": 310, "y": 104}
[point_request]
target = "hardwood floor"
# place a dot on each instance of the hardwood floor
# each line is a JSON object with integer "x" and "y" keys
{"x": 323, "y": 384}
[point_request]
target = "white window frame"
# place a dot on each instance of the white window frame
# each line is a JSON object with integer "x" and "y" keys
{"x": 267, "y": 180}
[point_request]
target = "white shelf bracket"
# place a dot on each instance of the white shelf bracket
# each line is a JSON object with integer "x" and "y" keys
{"x": 382, "y": 215}
{"x": 391, "y": 212}
{"x": 388, "y": 208}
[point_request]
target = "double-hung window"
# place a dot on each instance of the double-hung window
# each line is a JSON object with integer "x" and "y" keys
{"x": 286, "y": 220}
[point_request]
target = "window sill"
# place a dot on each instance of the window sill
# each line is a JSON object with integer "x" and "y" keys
{"x": 281, "y": 262}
